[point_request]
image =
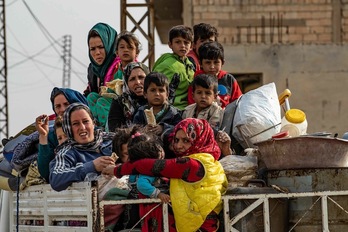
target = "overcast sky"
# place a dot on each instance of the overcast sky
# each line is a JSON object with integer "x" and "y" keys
{"x": 30, "y": 81}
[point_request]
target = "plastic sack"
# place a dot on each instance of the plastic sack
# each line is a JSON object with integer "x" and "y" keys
{"x": 258, "y": 115}
{"x": 239, "y": 169}
{"x": 105, "y": 183}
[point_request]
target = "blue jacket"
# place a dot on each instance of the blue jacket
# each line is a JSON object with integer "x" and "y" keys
{"x": 72, "y": 165}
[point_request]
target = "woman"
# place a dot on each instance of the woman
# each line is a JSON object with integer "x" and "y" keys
{"x": 102, "y": 55}
{"x": 60, "y": 98}
{"x": 104, "y": 65}
{"x": 197, "y": 179}
{"x": 86, "y": 151}
{"x": 124, "y": 107}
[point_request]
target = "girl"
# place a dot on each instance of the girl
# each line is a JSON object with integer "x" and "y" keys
{"x": 197, "y": 178}
{"x": 142, "y": 146}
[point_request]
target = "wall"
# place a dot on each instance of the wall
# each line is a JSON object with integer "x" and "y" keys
{"x": 317, "y": 76}
{"x": 298, "y": 44}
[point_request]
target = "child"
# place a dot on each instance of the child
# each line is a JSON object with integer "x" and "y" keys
{"x": 58, "y": 126}
{"x": 176, "y": 66}
{"x": 202, "y": 32}
{"x": 211, "y": 57}
{"x": 142, "y": 146}
{"x": 205, "y": 91}
{"x": 156, "y": 92}
{"x": 127, "y": 50}
{"x": 197, "y": 179}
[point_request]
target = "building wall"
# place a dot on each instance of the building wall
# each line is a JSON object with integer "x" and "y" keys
{"x": 304, "y": 48}
{"x": 272, "y": 21}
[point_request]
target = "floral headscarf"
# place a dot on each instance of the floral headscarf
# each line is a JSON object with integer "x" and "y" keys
{"x": 201, "y": 136}
{"x": 99, "y": 135}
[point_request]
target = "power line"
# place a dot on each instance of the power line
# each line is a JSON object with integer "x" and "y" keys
{"x": 41, "y": 26}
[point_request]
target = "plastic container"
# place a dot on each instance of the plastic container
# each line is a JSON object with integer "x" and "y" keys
{"x": 294, "y": 121}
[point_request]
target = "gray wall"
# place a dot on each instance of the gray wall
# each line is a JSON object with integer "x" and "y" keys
{"x": 317, "y": 76}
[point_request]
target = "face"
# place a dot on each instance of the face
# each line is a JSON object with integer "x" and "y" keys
{"x": 156, "y": 95}
{"x": 126, "y": 52}
{"x": 82, "y": 126}
{"x": 181, "y": 142}
{"x": 61, "y": 136}
{"x": 136, "y": 81}
{"x": 96, "y": 49}
{"x": 60, "y": 104}
{"x": 124, "y": 153}
{"x": 212, "y": 67}
{"x": 180, "y": 46}
{"x": 200, "y": 41}
{"x": 203, "y": 97}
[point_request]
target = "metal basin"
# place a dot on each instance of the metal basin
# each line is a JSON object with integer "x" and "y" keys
{"x": 304, "y": 152}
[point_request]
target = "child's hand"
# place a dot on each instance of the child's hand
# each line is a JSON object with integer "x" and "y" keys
{"x": 224, "y": 142}
{"x": 156, "y": 129}
{"x": 165, "y": 198}
{"x": 109, "y": 170}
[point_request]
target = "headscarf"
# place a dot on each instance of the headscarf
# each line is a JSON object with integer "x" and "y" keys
{"x": 129, "y": 100}
{"x": 128, "y": 70}
{"x": 99, "y": 135}
{"x": 201, "y": 136}
{"x": 71, "y": 96}
{"x": 108, "y": 37}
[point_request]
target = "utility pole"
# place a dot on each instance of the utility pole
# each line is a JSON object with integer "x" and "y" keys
{"x": 147, "y": 32}
{"x": 66, "y": 61}
{"x": 3, "y": 76}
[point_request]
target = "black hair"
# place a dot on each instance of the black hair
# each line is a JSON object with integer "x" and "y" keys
{"x": 122, "y": 136}
{"x": 181, "y": 31}
{"x": 206, "y": 81}
{"x": 204, "y": 31}
{"x": 143, "y": 145}
{"x": 158, "y": 78}
{"x": 211, "y": 51}
{"x": 129, "y": 37}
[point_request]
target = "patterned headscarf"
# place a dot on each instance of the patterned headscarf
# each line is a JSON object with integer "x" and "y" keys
{"x": 108, "y": 37}
{"x": 201, "y": 136}
{"x": 99, "y": 135}
{"x": 128, "y": 70}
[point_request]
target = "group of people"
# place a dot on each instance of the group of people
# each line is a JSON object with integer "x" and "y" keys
{"x": 164, "y": 125}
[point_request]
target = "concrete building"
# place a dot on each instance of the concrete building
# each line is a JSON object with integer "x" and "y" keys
{"x": 298, "y": 44}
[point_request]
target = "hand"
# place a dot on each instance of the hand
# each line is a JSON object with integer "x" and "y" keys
{"x": 224, "y": 142}
{"x": 109, "y": 170}
{"x": 165, "y": 198}
{"x": 41, "y": 124}
{"x": 102, "y": 162}
{"x": 156, "y": 129}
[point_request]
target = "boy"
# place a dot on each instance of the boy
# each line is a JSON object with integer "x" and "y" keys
{"x": 202, "y": 33}
{"x": 165, "y": 116}
{"x": 176, "y": 66}
{"x": 205, "y": 91}
{"x": 211, "y": 57}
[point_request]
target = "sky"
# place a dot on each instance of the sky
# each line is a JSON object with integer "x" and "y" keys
{"x": 34, "y": 60}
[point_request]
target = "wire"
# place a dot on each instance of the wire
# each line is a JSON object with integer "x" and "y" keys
{"x": 28, "y": 57}
{"x": 41, "y": 26}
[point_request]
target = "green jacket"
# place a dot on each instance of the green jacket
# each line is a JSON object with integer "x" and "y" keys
{"x": 170, "y": 64}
